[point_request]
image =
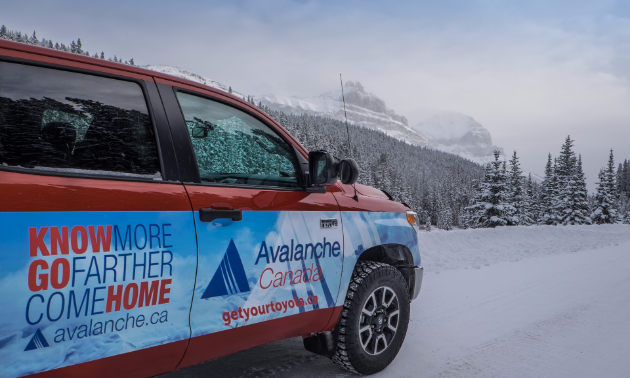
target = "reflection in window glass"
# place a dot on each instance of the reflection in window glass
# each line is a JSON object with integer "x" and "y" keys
{"x": 72, "y": 122}
{"x": 232, "y": 147}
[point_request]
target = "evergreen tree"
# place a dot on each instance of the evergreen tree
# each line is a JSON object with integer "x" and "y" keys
{"x": 571, "y": 204}
{"x": 463, "y": 220}
{"x": 132, "y": 62}
{"x": 623, "y": 191}
{"x": 624, "y": 211}
{"x": 489, "y": 208}
{"x": 576, "y": 209}
{"x": 518, "y": 197}
{"x": 557, "y": 205}
{"x": 623, "y": 180}
{"x": 626, "y": 178}
{"x": 619, "y": 181}
{"x": 34, "y": 40}
{"x": 445, "y": 216}
{"x": 532, "y": 200}
{"x": 3, "y": 32}
{"x": 606, "y": 196}
{"x": 102, "y": 55}
{"x": 79, "y": 46}
{"x": 548, "y": 197}
{"x": 566, "y": 165}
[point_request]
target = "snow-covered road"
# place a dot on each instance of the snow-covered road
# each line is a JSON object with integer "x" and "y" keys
{"x": 563, "y": 314}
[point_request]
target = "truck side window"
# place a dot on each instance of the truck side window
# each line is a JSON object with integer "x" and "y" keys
{"x": 232, "y": 147}
{"x": 76, "y": 123}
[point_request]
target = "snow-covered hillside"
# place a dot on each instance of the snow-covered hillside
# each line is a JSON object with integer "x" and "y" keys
{"x": 509, "y": 302}
{"x": 459, "y": 134}
{"x": 363, "y": 109}
{"x": 178, "y": 72}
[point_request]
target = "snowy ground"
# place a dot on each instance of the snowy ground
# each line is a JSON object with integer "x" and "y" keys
{"x": 507, "y": 302}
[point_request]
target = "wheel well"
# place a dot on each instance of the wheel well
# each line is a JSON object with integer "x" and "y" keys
{"x": 396, "y": 255}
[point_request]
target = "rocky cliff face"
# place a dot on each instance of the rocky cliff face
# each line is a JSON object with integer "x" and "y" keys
{"x": 363, "y": 109}
{"x": 356, "y": 95}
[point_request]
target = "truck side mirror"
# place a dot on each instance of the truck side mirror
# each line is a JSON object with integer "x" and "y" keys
{"x": 322, "y": 168}
{"x": 348, "y": 171}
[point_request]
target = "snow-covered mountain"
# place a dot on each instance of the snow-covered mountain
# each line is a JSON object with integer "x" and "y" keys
{"x": 458, "y": 134}
{"x": 363, "y": 109}
{"x": 451, "y": 132}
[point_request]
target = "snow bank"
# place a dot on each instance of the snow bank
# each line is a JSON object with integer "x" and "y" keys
{"x": 470, "y": 248}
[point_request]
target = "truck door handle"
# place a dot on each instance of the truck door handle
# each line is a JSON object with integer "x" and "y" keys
{"x": 208, "y": 214}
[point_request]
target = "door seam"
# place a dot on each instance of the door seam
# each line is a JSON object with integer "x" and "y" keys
{"x": 192, "y": 300}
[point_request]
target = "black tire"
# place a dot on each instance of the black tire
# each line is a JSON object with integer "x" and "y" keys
{"x": 355, "y": 352}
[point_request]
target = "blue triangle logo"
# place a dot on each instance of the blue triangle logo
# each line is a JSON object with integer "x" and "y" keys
{"x": 230, "y": 276}
{"x": 38, "y": 341}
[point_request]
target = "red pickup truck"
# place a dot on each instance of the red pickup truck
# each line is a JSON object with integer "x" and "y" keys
{"x": 150, "y": 223}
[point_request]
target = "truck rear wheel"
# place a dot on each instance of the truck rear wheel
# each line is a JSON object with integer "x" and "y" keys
{"x": 374, "y": 320}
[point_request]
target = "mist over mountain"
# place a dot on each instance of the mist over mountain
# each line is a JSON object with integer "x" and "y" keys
{"x": 458, "y": 134}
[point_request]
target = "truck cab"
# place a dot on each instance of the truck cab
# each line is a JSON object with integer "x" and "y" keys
{"x": 152, "y": 223}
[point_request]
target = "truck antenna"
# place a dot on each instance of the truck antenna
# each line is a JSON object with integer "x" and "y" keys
{"x": 356, "y": 198}
{"x": 346, "y": 115}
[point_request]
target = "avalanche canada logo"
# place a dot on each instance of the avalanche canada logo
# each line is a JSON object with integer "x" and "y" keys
{"x": 230, "y": 276}
{"x": 38, "y": 341}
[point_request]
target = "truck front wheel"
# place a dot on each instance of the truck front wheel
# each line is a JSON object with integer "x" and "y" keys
{"x": 374, "y": 320}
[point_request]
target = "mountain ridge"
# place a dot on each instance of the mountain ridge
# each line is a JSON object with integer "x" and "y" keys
{"x": 362, "y": 108}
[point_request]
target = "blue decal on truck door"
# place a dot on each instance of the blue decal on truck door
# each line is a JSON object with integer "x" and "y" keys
{"x": 290, "y": 266}
{"x": 80, "y": 286}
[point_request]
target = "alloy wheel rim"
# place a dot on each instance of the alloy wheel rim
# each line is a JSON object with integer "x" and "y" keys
{"x": 379, "y": 320}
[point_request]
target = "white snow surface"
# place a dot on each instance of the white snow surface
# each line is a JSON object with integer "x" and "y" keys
{"x": 539, "y": 301}
{"x": 458, "y": 134}
{"x": 474, "y": 248}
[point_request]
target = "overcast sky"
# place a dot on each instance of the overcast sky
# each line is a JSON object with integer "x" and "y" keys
{"x": 530, "y": 72}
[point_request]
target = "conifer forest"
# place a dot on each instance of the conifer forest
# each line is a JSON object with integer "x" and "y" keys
{"x": 447, "y": 190}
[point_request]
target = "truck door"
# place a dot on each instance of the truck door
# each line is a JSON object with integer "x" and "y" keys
{"x": 98, "y": 250}
{"x": 270, "y": 254}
